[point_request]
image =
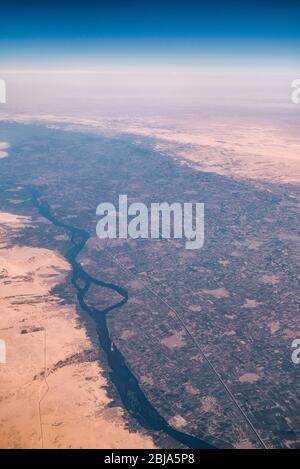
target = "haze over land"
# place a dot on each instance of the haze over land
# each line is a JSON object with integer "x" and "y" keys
{"x": 230, "y": 120}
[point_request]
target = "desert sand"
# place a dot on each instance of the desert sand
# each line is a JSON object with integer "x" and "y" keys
{"x": 53, "y": 391}
{"x": 229, "y": 148}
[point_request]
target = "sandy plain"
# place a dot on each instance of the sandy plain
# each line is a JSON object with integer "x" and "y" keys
{"x": 53, "y": 392}
{"x": 230, "y": 148}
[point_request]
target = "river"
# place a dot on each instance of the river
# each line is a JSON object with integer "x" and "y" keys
{"x": 131, "y": 394}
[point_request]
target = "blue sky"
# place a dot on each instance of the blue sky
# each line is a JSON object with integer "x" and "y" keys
{"x": 94, "y": 34}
